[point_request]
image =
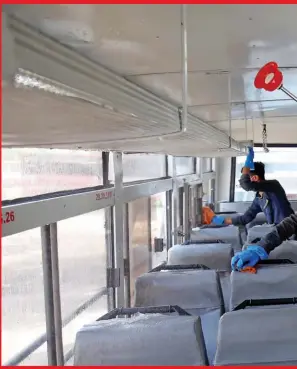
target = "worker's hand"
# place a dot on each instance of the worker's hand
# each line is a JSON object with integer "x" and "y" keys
{"x": 218, "y": 220}
{"x": 249, "y": 162}
{"x": 228, "y": 221}
{"x": 249, "y": 257}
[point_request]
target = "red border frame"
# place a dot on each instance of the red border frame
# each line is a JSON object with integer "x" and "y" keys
{"x": 130, "y": 2}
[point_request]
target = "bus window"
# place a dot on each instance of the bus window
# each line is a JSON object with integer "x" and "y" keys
{"x": 30, "y": 172}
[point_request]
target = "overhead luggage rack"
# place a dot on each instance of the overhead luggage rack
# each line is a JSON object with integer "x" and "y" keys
{"x": 137, "y": 120}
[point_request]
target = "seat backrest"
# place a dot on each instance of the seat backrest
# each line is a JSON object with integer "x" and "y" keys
{"x": 213, "y": 255}
{"x": 287, "y": 250}
{"x": 230, "y": 234}
{"x": 258, "y": 337}
{"x": 270, "y": 281}
{"x": 258, "y": 231}
{"x": 146, "y": 340}
{"x": 259, "y": 220}
{"x": 189, "y": 289}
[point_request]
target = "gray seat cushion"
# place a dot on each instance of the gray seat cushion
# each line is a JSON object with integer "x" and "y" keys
{"x": 189, "y": 289}
{"x": 271, "y": 281}
{"x": 287, "y": 250}
{"x": 230, "y": 234}
{"x": 258, "y": 337}
{"x": 151, "y": 339}
{"x": 198, "y": 292}
{"x": 259, "y": 220}
{"x": 213, "y": 255}
{"x": 258, "y": 231}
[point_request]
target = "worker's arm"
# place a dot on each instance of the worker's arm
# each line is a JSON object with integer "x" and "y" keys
{"x": 283, "y": 231}
{"x": 247, "y": 217}
{"x": 254, "y": 253}
{"x": 262, "y": 186}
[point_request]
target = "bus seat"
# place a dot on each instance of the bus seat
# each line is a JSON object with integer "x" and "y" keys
{"x": 226, "y": 287}
{"x": 242, "y": 229}
{"x": 144, "y": 340}
{"x": 196, "y": 291}
{"x": 213, "y": 255}
{"x": 258, "y": 337}
{"x": 257, "y": 232}
{"x": 270, "y": 281}
{"x": 230, "y": 234}
{"x": 259, "y": 220}
{"x": 287, "y": 250}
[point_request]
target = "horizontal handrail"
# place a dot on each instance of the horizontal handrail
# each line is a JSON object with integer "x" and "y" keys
{"x": 165, "y": 266}
{"x": 164, "y": 309}
{"x": 265, "y": 302}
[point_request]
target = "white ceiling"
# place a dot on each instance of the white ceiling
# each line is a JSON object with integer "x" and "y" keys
{"x": 143, "y": 44}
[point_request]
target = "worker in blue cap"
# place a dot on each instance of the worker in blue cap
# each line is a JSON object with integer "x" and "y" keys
{"x": 260, "y": 251}
{"x": 270, "y": 197}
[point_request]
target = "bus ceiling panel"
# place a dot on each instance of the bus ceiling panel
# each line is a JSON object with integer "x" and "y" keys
{"x": 145, "y": 39}
{"x": 204, "y": 88}
{"x": 279, "y": 129}
{"x": 273, "y": 108}
{"x": 218, "y": 112}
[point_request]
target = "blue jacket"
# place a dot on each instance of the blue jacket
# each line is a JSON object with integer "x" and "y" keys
{"x": 274, "y": 203}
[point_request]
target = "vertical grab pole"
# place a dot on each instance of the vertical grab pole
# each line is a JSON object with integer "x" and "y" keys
{"x": 168, "y": 210}
{"x": 175, "y": 203}
{"x": 230, "y": 109}
{"x": 56, "y": 293}
{"x": 109, "y": 226}
{"x": 48, "y": 295}
{"x": 150, "y": 246}
{"x": 119, "y": 226}
{"x": 199, "y": 204}
{"x": 184, "y": 62}
{"x": 126, "y": 252}
{"x": 186, "y": 209}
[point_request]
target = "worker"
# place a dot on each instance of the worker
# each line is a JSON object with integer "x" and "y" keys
{"x": 270, "y": 197}
{"x": 260, "y": 251}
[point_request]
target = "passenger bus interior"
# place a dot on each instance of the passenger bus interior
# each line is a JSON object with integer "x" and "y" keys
{"x": 120, "y": 124}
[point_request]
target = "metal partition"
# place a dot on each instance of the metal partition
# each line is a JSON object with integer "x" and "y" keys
{"x": 47, "y": 210}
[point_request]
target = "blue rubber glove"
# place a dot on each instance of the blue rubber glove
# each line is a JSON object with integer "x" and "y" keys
{"x": 218, "y": 220}
{"x": 249, "y": 161}
{"x": 249, "y": 257}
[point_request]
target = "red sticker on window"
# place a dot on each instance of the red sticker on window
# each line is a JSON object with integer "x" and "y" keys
{"x": 7, "y": 217}
{"x": 103, "y": 195}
